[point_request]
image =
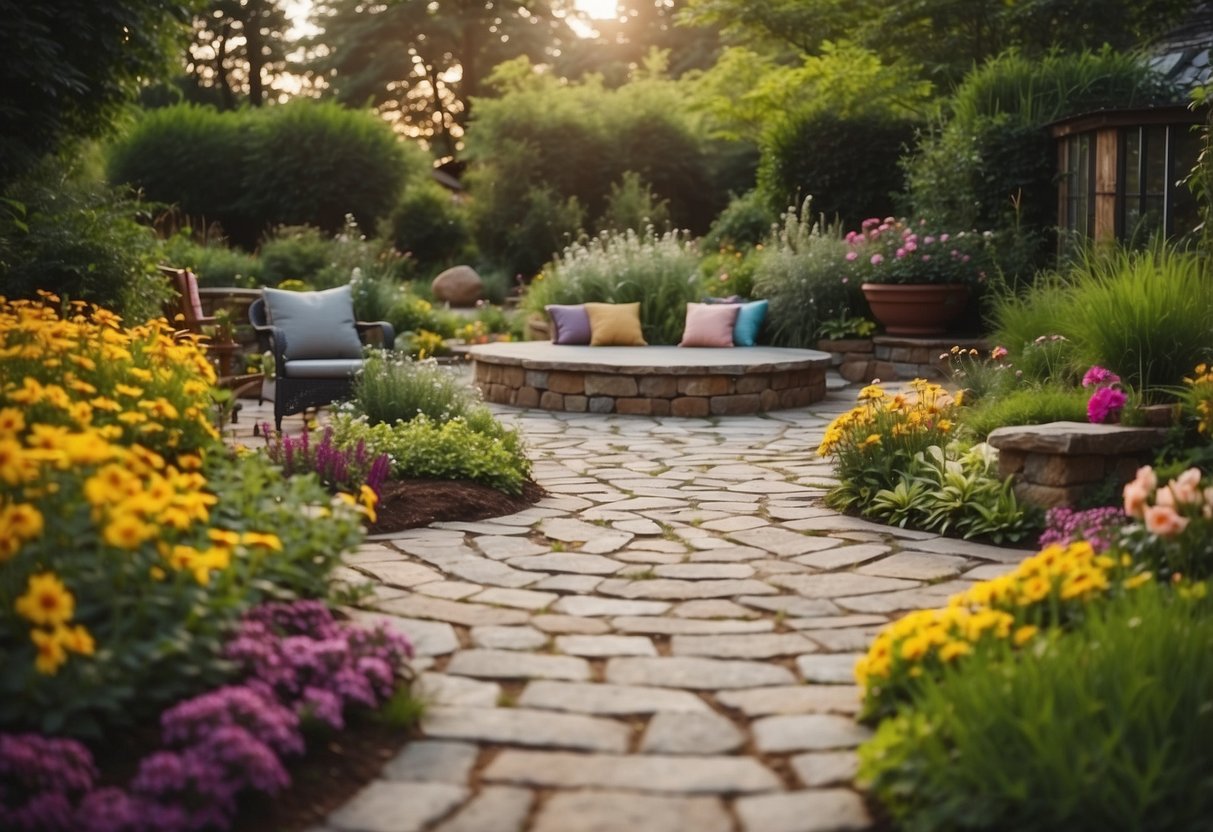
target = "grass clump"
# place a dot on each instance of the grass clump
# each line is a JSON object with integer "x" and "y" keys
{"x": 1036, "y": 405}
{"x": 394, "y": 388}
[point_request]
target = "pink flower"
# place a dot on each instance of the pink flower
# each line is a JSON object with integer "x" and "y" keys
{"x": 852, "y": 255}
{"x": 926, "y": 258}
{"x": 1146, "y": 478}
{"x": 943, "y": 238}
{"x": 1098, "y": 377}
{"x": 877, "y": 259}
{"x": 998, "y": 353}
{"x": 1104, "y": 404}
{"x": 1164, "y": 521}
{"x": 1135, "y": 499}
{"x": 901, "y": 252}
{"x": 1186, "y": 487}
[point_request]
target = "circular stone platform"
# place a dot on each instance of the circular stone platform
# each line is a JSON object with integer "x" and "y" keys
{"x": 649, "y": 381}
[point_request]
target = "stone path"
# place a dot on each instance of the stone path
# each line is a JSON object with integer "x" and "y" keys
{"x": 665, "y": 643}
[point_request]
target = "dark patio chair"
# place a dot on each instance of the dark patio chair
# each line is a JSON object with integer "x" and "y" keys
{"x": 316, "y": 343}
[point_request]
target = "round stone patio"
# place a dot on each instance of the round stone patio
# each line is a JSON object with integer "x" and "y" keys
{"x": 663, "y": 644}
{"x": 649, "y": 381}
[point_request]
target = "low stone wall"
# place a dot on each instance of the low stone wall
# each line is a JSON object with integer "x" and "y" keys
{"x": 649, "y": 381}
{"x": 1059, "y": 463}
{"x": 893, "y": 358}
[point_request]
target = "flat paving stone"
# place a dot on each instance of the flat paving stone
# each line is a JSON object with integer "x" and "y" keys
{"x": 712, "y": 608}
{"x": 491, "y": 572}
{"x": 640, "y": 527}
{"x": 837, "y": 584}
{"x": 602, "y": 646}
{"x": 493, "y": 809}
{"x": 433, "y": 761}
{"x": 791, "y": 605}
{"x": 576, "y": 563}
{"x": 441, "y": 689}
{"x": 964, "y": 548}
{"x": 780, "y": 541}
{"x": 807, "y": 732}
{"x": 525, "y": 599}
{"x": 608, "y": 700}
{"x": 613, "y": 811}
{"x": 729, "y": 554}
{"x": 508, "y": 638}
{"x": 915, "y": 566}
{"x": 756, "y": 646}
{"x": 589, "y": 538}
{"x": 579, "y": 584}
{"x": 816, "y": 810}
{"x": 401, "y": 573}
{"x": 826, "y": 768}
{"x": 570, "y": 624}
{"x": 385, "y": 806}
{"x": 796, "y": 699}
{"x": 846, "y": 639}
{"x": 832, "y": 622}
{"x": 648, "y": 773}
{"x": 450, "y": 590}
{"x": 453, "y": 612}
{"x": 701, "y": 571}
{"x": 695, "y": 673}
{"x": 667, "y": 588}
{"x": 735, "y": 524}
{"x": 508, "y": 664}
{"x": 505, "y": 547}
{"x": 843, "y": 556}
{"x": 591, "y": 606}
{"x": 923, "y": 597}
{"x": 837, "y": 668}
{"x": 429, "y": 638}
{"x": 653, "y": 625}
{"x": 521, "y": 726}
{"x": 691, "y": 733}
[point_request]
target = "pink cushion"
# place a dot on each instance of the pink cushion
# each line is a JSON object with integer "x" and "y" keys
{"x": 709, "y": 325}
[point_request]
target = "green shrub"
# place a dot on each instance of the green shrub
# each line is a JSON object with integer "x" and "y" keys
{"x": 294, "y": 253}
{"x": 658, "y": 272}
{"x": 847, "y": 164}
{"x": 730, "y": 272}
{"x": 457, "y": 449}
{"x": 1110, "y": 722}
{"x": 391, "y": 389}
{"x": 798, "y": 272}
{"x": 80, "y": 241}
{"x": 431, "y": 227}
{"x": 375, "y": 296}
{"x": 746, "y": 221}
{"x": 215, "y": 264}
{"x": 321, "y": 261}
{"x": 412, "y": 313}
{"x": 1028, "y": 405}
{"x": 631, "y": 205}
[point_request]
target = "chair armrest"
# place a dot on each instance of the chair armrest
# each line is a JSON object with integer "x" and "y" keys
{"x": 387, "y": 333}
{"x": 272, "y": 339}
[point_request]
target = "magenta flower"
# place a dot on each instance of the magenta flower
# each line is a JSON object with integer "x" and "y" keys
{"x": 852, "y": 255}
{"x": 1099, "y": 377}
{"x": 1105, "y": 405}
{"x": 877, "y": 259}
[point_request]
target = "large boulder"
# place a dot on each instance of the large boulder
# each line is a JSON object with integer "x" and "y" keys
{"x": 458, "y": 286}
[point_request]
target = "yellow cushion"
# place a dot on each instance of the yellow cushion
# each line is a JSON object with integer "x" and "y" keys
{"x": 615, "y": 325}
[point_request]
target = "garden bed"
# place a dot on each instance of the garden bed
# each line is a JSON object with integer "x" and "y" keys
{"x": 407, "y": 504}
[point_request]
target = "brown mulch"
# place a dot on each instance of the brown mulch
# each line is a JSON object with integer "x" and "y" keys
{"x": 407, "y": 504}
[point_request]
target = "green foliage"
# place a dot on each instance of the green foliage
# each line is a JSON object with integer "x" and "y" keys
{"x": 412, "y": 313}
{"x": 322, "y": 261}
{"x": 631, "y": 205}
{"x": 728, "y": 272}
{"x": 214, "y": 263}
{"x": 658, "y": 272}
{"x": 457, "y": 449}
{"x": 374, "y": 296}
{"x": 798, "y": 272}
{"x": 746, "y": 221}
{"x": 1029, "y": 405}
{"x": 303, "y": 163}
{"x": 70, "y": 65}
{"x": 431, "y": 227}
{"x": 391, "y": 388}
{"x": 81, "y": 241}
{"x": 1113, "y": 717}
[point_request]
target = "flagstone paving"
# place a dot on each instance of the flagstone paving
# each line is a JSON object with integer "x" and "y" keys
{"x": 664, "y": 643}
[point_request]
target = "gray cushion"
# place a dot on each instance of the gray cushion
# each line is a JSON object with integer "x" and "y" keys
{"x": 317, "y": 324}
{"x": 323, "y": 368}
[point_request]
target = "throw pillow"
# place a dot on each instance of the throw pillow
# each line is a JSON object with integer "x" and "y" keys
{"x": 316, "y": 324}
{"x": 570, "y": 324}
{"x": 615, "y": 325}
{"x": 749, "y": 320}
{"x": 709, "y": 325}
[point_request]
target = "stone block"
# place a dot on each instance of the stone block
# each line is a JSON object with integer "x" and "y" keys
{"x": 690, "y": 406}
{"x": 734, "y": 405}
{"x": 551, "y": 401}
{"x": 1061, "y": 470}
{"x": 576, "y": 404}
{"x": 883, "y": 370}
{"x": 634, "y": 407}
{"x": 514, "y": 377}
{"x": 753, "y": 383}
{"x": 768, "y": 400}
{"x": 1077, "y": 438}
{"x": 795, "y": 397}
{"x": 1047, "y": 496}
{"x": 564, "y": 382}
{"x": 703, "y": 386}
{"x": 604, "y": 385}
{"x": 602, "y": 404}
{"x": 537, "y": 378}
{"x": 903, "y": 370}
{"x": 883, "y": 352}
{"x": 897, "y": 354}
{"x": 781, "y": 381}
{"x": 527, "y": 397}
{"x": 660, "y": 387}
{"x": 488, "y": 372}
{"x": 1011, "y": 462}
{"x": 661, "y": 407}
{"x": 845, "y": 345}
{"x": 856, "y": 371}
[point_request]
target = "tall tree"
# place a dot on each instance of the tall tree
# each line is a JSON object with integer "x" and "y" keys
{"x": 66, "y": 67}
{"x": 238, "y": 46}
{"x": 421, "y": 61}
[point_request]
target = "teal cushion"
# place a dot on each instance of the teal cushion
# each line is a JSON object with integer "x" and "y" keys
{"x": 749, "y": 321}
{"x": 316, "y": 324}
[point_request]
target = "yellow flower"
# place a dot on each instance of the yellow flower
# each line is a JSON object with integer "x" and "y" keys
{"x": 46, "y": 601}
{"x": 127, "y": 531}
{"x": 11, "y": 421}
{"x": 1024, "y": 634}
{"x": 872, "y": 440}
{"x": 50, "y": 654}
{"x": 872, "y": 392}
{"x": 265, "y": 541}
{"x": 369, "y": 500}
{"x": 953, "y": 650}
{"x": 1138, "y": 580}
{"x": 223, "y": 537}
{"x": 20, "y": 520}
{"x": 76, "y": 639}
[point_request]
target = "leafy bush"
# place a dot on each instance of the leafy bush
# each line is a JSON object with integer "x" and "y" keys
{"x": 431, "y": 227}
{"x": 746, "y": 221}
{"x": 631, "y": 205}
{"x": 321, "y": 261}
{"x": 728, "y": 272}
{"x": 1027, "y": 405}
{"x": 799, "y": 273}
{"x": 243, "y": 168}
{"x": 214, "y": 264}
{"x": 456, "y": 449}
{"x": 847, "y": 164}
{"x": 375, "y": 295}
{"x": 61, "y": 234}
{"x": 1113, "y": 717}
{"x": 412, "y": 313}
{"x": 658, "y": 272}
{"x": 392, "y": 388}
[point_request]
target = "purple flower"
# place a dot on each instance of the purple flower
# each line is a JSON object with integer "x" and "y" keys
{"x": 1105, "y": 404}
{"x": 196, "y": 720}
{"x": 1098, "y": 526}
{"x": 1099, "y": 377}
{"x": 110, "y": 810}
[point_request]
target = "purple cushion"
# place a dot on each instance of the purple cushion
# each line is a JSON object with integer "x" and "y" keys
{"x": 570, "y": 324}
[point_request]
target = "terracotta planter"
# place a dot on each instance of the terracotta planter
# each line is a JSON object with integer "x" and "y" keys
{"x": 915, "y": 309}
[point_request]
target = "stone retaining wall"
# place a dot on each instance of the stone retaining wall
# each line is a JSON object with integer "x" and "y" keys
{"x": 650, "y": 394}
{"x": 892, "y": 358}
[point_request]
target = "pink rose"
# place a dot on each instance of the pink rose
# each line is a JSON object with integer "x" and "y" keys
{"x": 1104, "y": 404}
{"x": 877, "y": 259}
{"x": 1146, "y": 478}
{"x": 852, "y": 255}
{"x": 1098, "y": 376}
{"x": 1135, "y": 499}
{"x": 1164, "y": 521}
{"x": 1186, "y": 487}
